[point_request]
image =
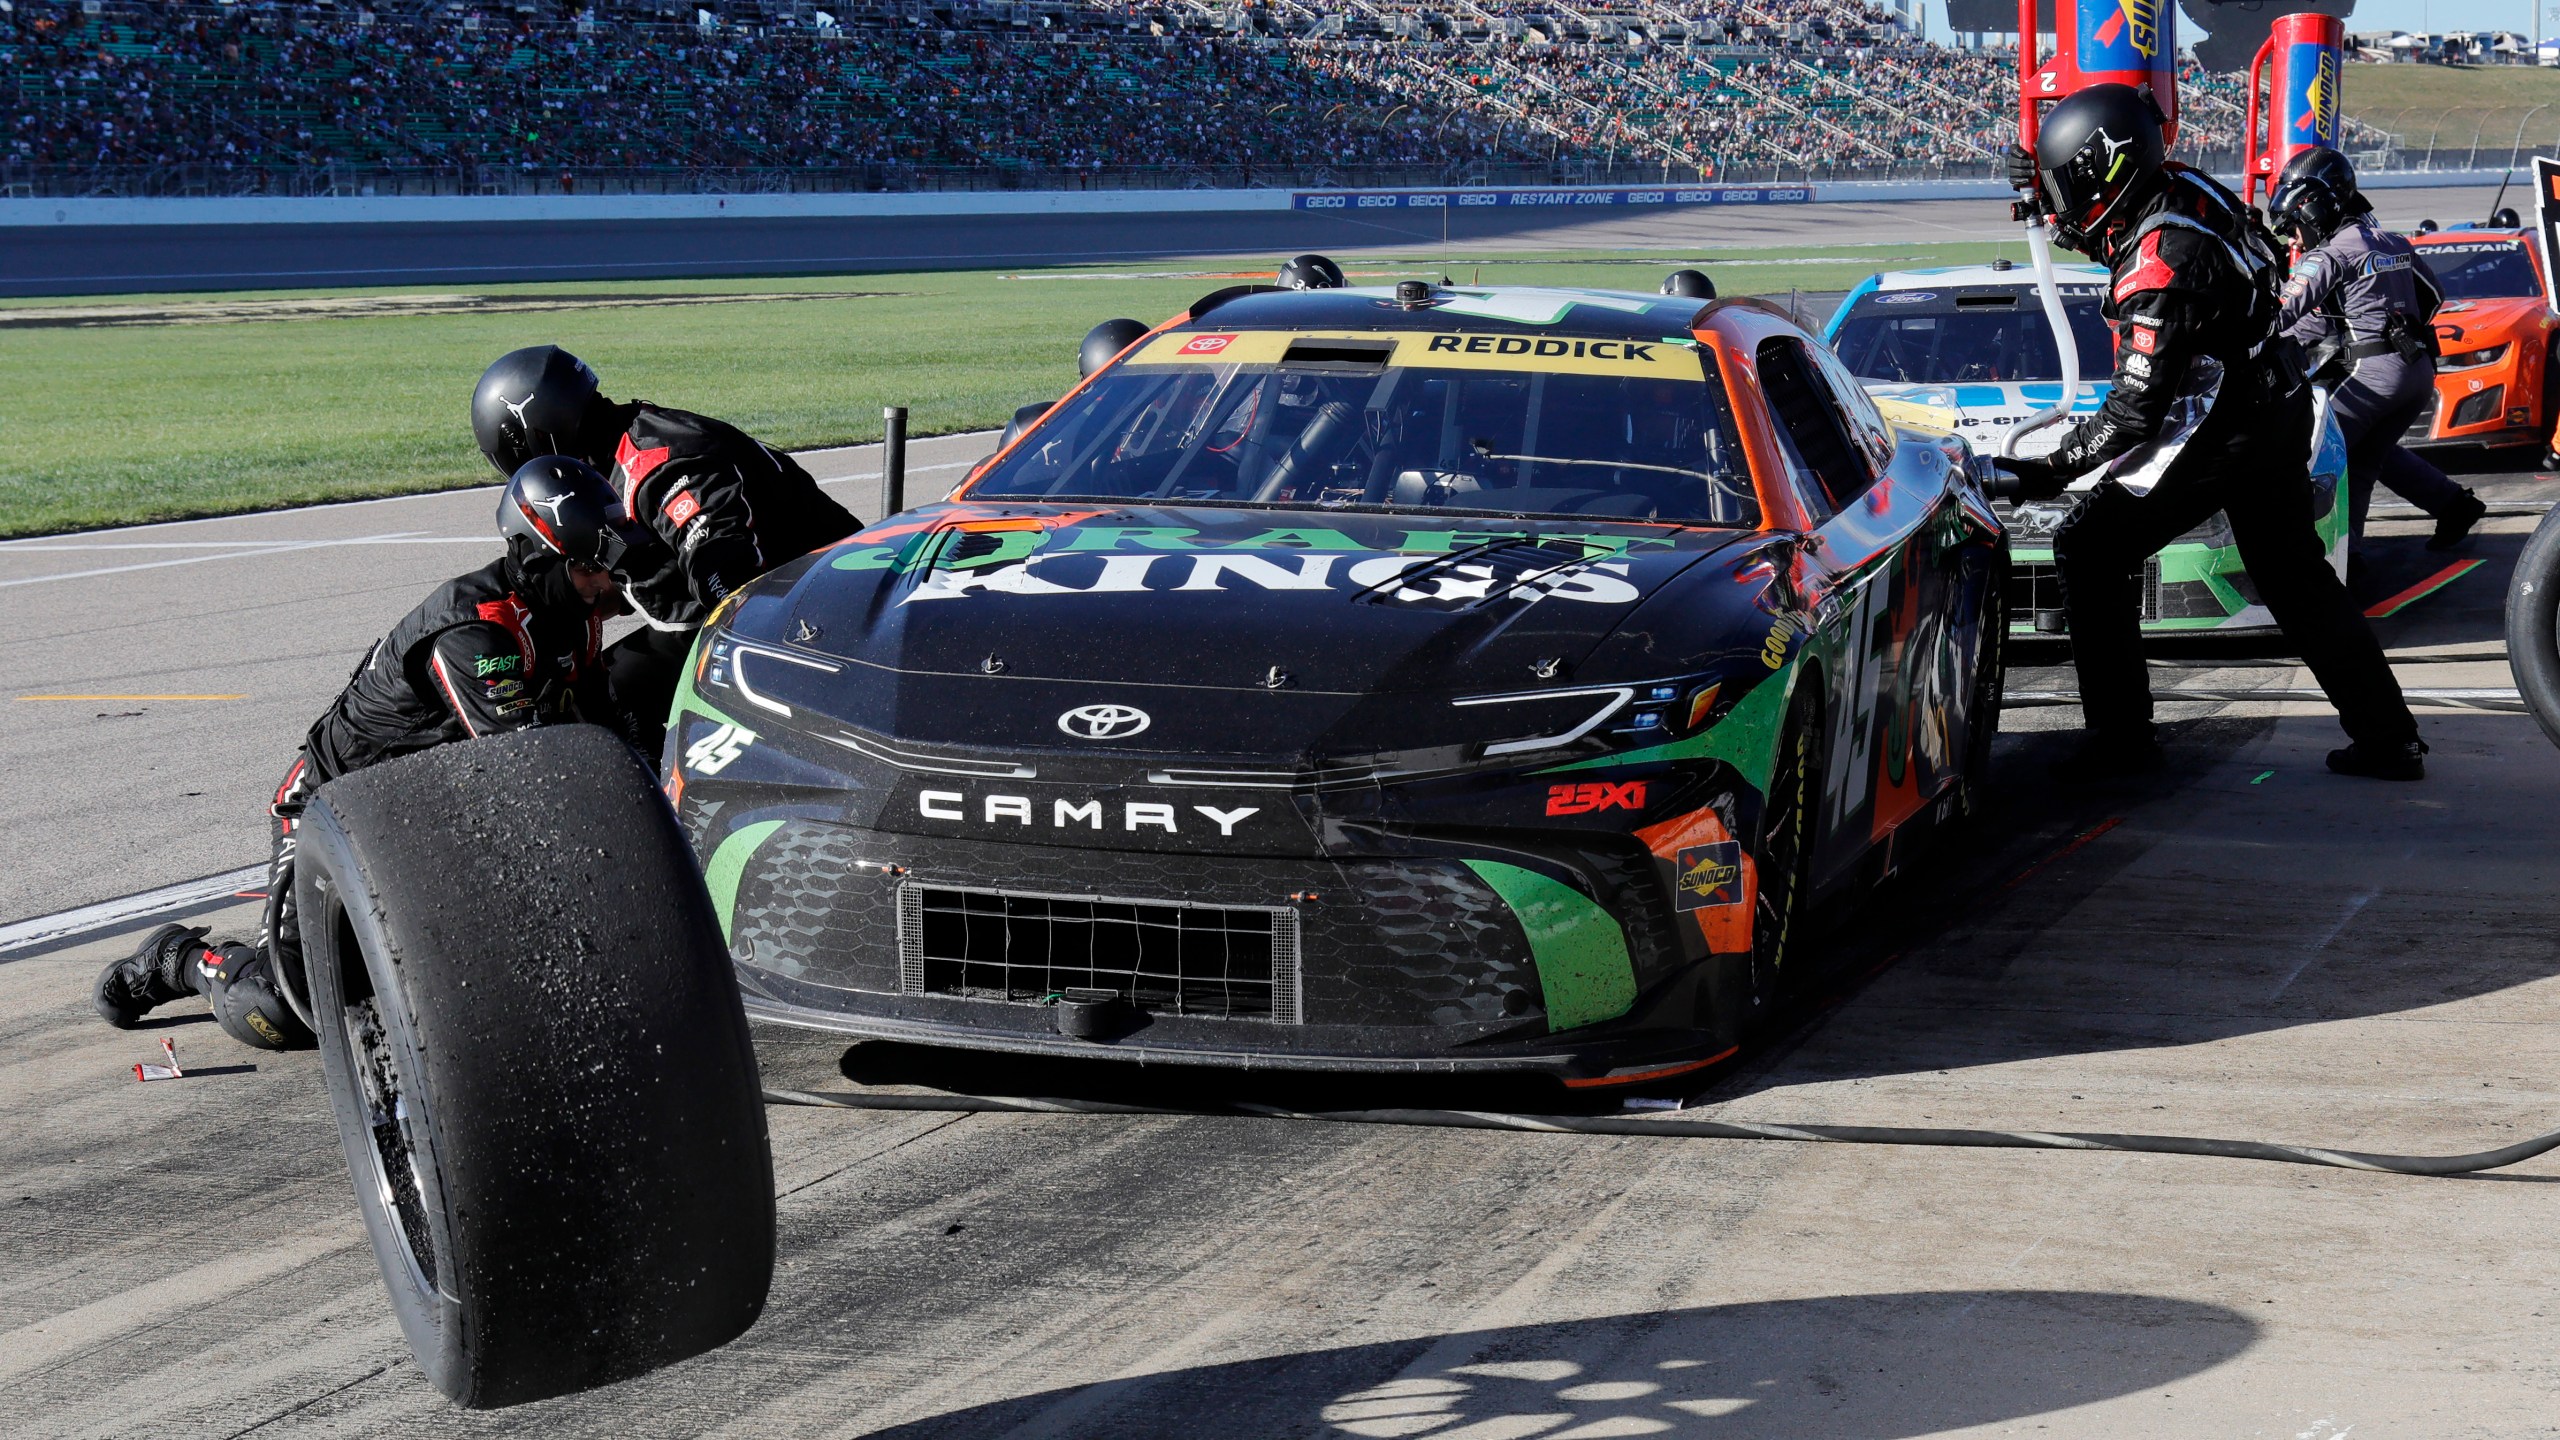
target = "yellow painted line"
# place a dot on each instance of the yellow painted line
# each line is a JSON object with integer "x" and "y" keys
{"x": 133, "y": 697}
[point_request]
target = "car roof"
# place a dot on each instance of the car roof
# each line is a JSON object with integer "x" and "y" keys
{"x": 2019, "y": 275}
{"x": 1597, "y": 314}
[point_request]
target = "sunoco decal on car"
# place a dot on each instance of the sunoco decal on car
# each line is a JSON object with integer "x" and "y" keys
{"x": 1655, "y": 359}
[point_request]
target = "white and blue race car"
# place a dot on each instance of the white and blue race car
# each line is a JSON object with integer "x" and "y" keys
{"x": 1972, "y": 341}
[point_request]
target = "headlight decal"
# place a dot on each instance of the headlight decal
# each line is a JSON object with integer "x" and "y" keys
{"x": 1746, "y": 738}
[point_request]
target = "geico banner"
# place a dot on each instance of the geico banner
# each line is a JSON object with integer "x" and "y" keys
{"x": 1551, "y": 199}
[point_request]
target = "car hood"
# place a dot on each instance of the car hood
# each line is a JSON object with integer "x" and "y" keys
{"x": 1267, "y": 632}
{"x": 2470, "y": 324}
{"x": 1985, "y": 410}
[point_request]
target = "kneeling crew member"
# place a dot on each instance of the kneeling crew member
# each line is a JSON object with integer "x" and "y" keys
{"x": 2363, "y": 303}
{"x": 723, "y": 507}
{"x": 2194, "y": 279}
{"x": 512, "y": 645}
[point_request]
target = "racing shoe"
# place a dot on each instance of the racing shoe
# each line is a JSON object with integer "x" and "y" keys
{"x": 154, "y": 974}
{"x": 2406, "y": 760}
{"x": 2109, "y": 757}
{"x": 2457, "y": 521}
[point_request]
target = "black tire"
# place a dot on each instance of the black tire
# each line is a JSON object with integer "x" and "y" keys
{"x": 541, "y": 1070}
{"x": 1990, "y": 679}
{"x": 2533, "y": 625}
{"x": 1783, "y": 857}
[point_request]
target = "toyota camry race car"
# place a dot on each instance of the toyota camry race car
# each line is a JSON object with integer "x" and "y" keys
{"x": 2496, "y": 382}
{"x": 1359, "y": 679}
{"x": 1973, "y": 342}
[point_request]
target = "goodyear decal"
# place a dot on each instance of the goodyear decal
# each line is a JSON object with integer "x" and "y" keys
{"x": 1648, "y": 359}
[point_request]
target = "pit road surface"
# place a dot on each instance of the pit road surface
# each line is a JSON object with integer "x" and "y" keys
{"x": 95, "y": 260}
{"x": 2251, "y": 948}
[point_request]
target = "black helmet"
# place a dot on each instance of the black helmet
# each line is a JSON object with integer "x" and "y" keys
{"x": 1689, "y": 285}
{"x": 532, "y": 402}
{"x": 1104, "y": 342}
{"x": 2314, "y": 195}
{"x": 2095, "y": 152}
{"x": 556, "y": 505}
{"x": 1310, "y": 272}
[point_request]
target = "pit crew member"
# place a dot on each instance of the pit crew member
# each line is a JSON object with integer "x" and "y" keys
{"x": 2193, "y": 278}
{"x": 511, "y": 645}
{"x": 2362, "y": 303}
{"x": 724, "y": 508}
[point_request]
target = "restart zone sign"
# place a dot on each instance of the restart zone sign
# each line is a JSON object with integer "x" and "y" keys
{"x": 1550, "y": 199}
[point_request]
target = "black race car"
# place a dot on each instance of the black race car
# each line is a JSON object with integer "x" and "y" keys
{"x": 1417, "y": 679}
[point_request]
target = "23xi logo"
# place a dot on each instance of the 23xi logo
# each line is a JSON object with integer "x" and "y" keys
{"x": 1104, "y": 722}
{"x": 1584, "y": 799}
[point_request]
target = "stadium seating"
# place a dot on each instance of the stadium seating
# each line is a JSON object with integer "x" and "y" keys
{"x": 126, "y": 97}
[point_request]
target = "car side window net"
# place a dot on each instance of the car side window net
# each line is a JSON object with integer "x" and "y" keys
{"x": 1804, "y": 408}
{"x": 1525, "y": 441}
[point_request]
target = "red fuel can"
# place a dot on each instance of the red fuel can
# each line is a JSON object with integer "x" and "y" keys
{"x": 2294, "y": 86}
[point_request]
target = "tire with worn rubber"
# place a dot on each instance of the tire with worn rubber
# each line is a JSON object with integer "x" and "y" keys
{"x": 2533, "y": 625}
{"x": 539, "y": 1063}
{"x": 1990, "y": 680}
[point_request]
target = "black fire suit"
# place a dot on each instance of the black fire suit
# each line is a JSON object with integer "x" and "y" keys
{"x": 2366, "y": 298}
{"x": 727, "y": 509}
{"x": 2194, "y": 278}
{"x": 496, "y": 650}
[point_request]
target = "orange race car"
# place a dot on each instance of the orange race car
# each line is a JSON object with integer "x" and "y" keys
{"x": 2498, "y": 381}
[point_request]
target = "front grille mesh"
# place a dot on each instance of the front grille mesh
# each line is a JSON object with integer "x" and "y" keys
{"x": 1238, "y": 963}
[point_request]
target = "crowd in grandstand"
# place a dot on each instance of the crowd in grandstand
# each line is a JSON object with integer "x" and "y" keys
{"x": 256, "y": 89}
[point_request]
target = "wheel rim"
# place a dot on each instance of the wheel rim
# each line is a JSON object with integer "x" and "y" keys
{"x": 392, "y": 1116}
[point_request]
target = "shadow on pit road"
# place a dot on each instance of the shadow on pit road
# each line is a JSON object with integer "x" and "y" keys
{"x": 1728, "y": 1372}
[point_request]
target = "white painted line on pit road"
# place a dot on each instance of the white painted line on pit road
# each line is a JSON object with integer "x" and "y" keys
{"x": 188, "y": 894}
{"x": 236, "y": 553}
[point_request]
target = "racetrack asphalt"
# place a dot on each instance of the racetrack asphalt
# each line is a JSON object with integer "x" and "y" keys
{"x": 2245, "y": 947}
{"x": 86, "y": 260}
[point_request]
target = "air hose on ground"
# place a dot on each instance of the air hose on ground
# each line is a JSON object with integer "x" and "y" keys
{"x": 1674, "y": 1126}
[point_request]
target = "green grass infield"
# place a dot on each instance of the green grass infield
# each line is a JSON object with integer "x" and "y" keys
{"x": 125, "y": 409}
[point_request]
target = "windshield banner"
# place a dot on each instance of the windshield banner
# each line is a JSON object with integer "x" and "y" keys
{"x": 1670, "y": 358}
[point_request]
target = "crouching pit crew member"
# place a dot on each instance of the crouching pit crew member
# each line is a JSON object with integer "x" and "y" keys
{"x": 723, "y": 507}
{"x": 2194, "y": 281}
{"x": 2361, "y": 301}
{"x": 509, "y": 646}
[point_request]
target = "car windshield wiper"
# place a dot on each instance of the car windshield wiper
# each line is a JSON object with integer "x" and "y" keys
{"x": 1489, "y": 453}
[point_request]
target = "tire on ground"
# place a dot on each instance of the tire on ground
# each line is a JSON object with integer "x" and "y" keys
{"x": 539, "y": 1062}
{"x": 2533, "y": 624}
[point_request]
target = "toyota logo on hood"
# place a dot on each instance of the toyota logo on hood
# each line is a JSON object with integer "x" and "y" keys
{"x": 1104, "y": 722}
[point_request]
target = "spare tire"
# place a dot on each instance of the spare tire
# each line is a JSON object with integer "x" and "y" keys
{"x": 539, "y": 1062}
{"x": 2533, "y": 624}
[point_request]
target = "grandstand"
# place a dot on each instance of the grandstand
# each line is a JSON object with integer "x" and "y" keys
{"x": 118, "y": 97}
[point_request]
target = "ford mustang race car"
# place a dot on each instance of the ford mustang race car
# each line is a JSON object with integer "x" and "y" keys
{"x": 2496, "y": 381}
{"x": 1411, "y": 679}
{"x": 1973, "y": 341}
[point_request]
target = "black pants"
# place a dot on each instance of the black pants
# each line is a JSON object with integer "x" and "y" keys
{"x": 2374, "y": 406}
{"x": 2251, "y": 462}
{"x": 644, "y": 667}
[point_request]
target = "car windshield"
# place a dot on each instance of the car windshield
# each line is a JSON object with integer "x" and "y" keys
{"x": 1940, "y": 337}
{"x": 2482, "y": 269}
{"x": 1511, "y": 425}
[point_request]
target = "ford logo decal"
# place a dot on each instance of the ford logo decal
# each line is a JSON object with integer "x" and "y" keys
{"x": 1104, "y": 722}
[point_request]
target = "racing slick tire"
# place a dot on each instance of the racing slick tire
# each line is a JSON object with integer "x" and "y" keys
{"x": 1990, "y": 679}
{"x": 1783, "y": 861}
{"x": 539, "y": 1062}
{"x": 2533, "y": 625}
